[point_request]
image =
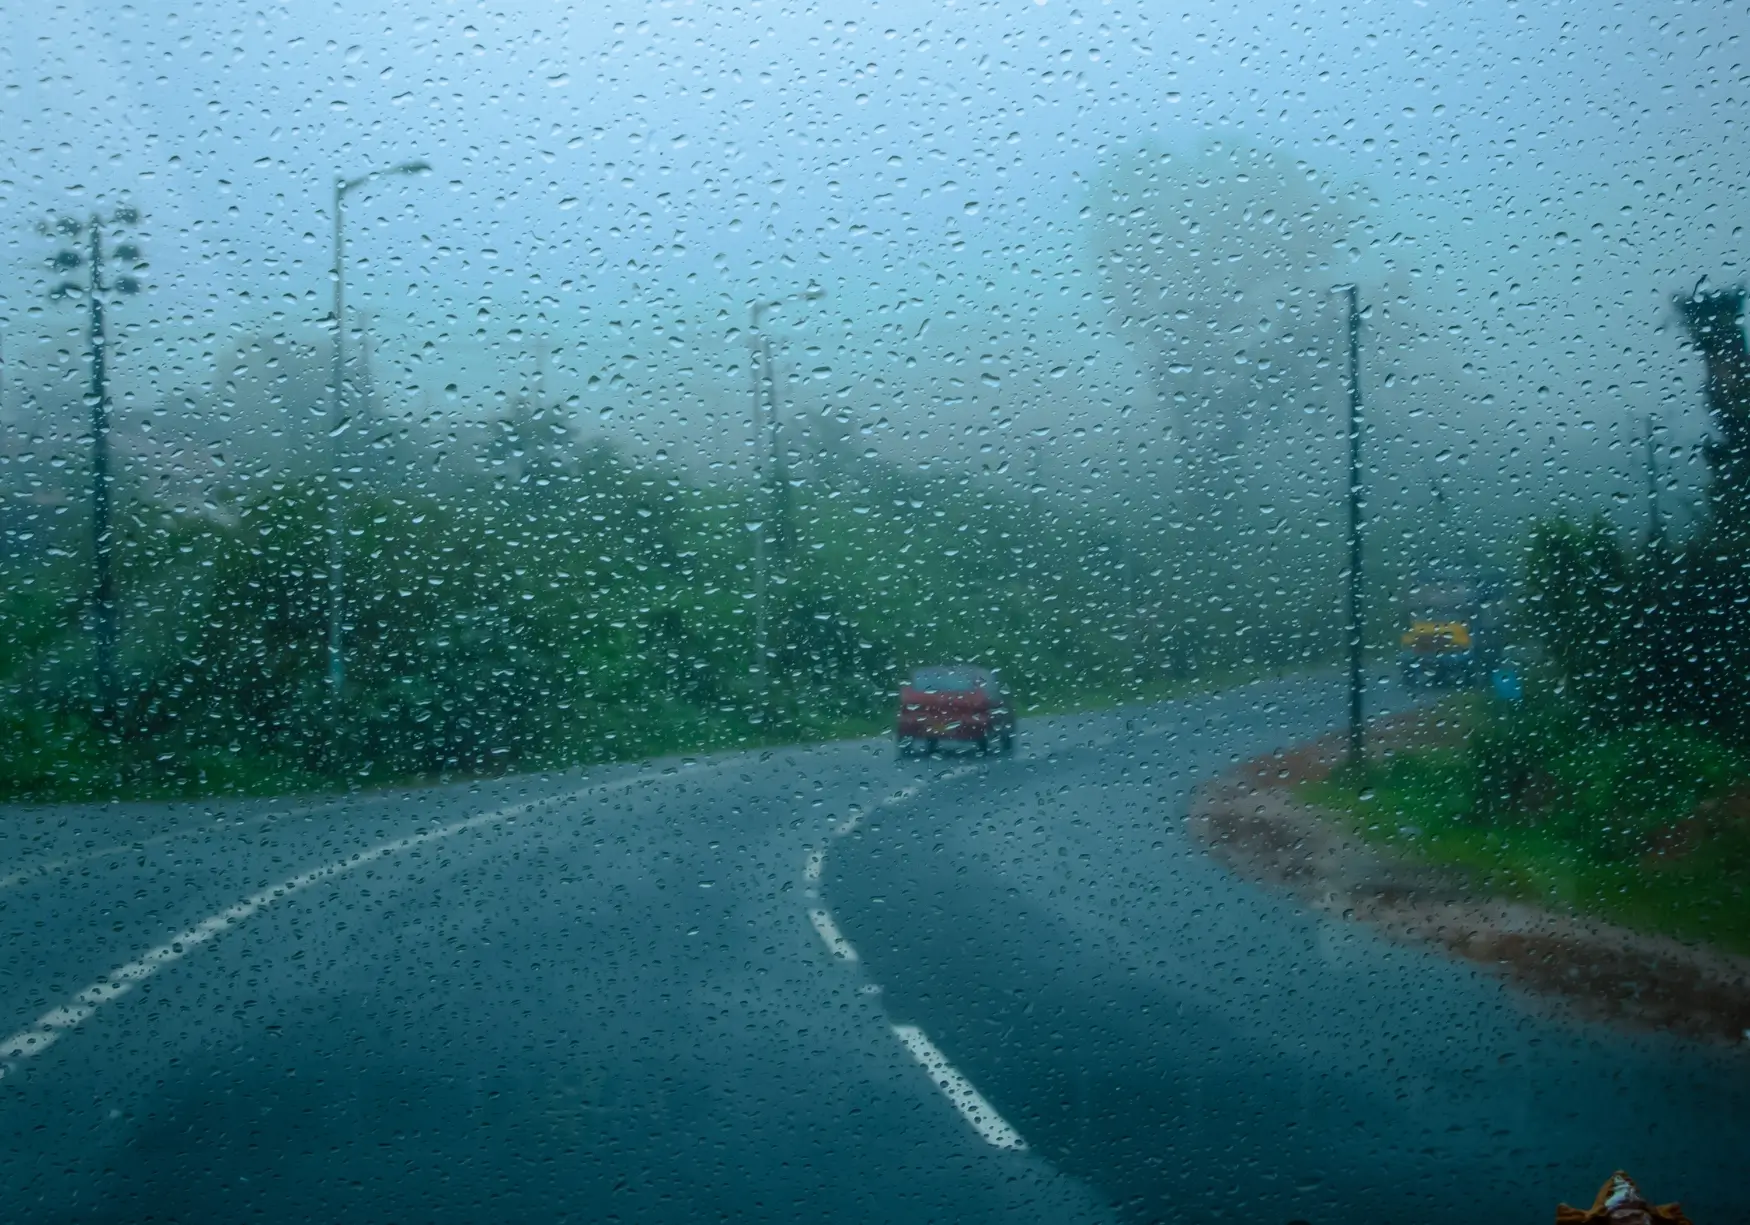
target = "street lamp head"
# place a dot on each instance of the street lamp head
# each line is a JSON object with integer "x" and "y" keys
{"x": 813, "y": 293}
{"x": 414, "y": 167}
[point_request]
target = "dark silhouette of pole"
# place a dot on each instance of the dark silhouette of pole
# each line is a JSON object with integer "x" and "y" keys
{"x": 102, "y": 540}
{"x": 1357, "y": 745}
{"x": 760, "y": 363}
{"x": 336, "y": 458}
{"x": 1655, "y": 528}
{"x": 104, "y": 605}
{"x": 772, "y": 541}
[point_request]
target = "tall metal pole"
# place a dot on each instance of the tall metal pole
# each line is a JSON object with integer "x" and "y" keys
{"x": 102, "y": 540}
{"x": 1655, "y": 529}
{"x": 336, "y": 424}
{"x": 772, "y": 493}
{"x": 761, "y": 548}
{"x": 1357, "y": 747}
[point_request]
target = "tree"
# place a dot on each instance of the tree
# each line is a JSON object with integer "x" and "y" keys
{"x": 1214, "y": 264}
{"x": 1218, "y": 268}
{"x": 1664, "y": 631}
{"x": 1715, "y": 325}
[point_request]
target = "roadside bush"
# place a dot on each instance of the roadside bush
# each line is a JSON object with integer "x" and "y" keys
{"x": 1660, "y": 632}
{"x": 607, "y": 613}
{"x": 1607, "y": 793}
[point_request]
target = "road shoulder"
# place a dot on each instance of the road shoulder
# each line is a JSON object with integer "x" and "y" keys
{"x": 1251, "y": 820}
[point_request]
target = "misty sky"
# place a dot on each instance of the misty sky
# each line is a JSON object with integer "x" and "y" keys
{"x": 623, "y": 178}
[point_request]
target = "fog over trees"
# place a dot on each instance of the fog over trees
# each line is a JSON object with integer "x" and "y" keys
{"x": 1069, "y": 265}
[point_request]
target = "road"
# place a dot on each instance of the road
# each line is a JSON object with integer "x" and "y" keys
{"x": 802, "y": 984}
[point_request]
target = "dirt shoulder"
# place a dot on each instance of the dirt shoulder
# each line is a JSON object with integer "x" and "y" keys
{"x": 1252, "y": 820}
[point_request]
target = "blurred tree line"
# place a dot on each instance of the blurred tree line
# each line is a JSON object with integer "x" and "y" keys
{"x": 1659, "y": 630}
{"x": 1619, "y": 783}
{"x": 1642, "y": 730}
{"x": 567, "y": 606}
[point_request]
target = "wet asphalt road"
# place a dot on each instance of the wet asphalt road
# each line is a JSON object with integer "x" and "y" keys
{"x": 1202, "y": 1049}
{"x": 609, "y": 997}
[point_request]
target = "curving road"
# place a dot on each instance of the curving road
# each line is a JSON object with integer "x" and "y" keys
{"x": 803, "y": 984}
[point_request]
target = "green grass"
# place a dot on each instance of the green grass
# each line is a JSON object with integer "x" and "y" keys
{"x": 1588, "y": 834}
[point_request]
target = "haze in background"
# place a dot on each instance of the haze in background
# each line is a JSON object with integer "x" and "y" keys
{"x": 1518, "y": 191}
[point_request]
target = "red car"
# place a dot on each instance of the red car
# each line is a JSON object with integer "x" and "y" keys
{"x": 958, "y": 702}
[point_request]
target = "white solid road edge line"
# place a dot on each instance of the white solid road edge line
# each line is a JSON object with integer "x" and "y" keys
{"x": 957, "y": 1089}
{"x": 47, "y": 1029}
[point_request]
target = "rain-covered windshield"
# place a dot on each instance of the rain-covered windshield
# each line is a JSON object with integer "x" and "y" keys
{"x": 476, "y": 481}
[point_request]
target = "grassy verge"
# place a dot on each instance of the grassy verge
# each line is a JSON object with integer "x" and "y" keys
{"x": 1645, "y": 826}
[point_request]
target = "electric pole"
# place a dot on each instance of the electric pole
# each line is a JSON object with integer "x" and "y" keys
{"x": 1655, "y": 528}
{"x": 94, "y": 287}
{"x": 1357, "y": 745}
{"x": 773, "y": 488}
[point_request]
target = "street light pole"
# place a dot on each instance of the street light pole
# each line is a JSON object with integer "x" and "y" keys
{"x": 761, "y": 549}
{"x": 1655, "y": 527}
{"x": 102, "y": 539}
{"x": 337, "y": 428}
{"x": 336, "y": 423}
{"x": 771, "y": 471}
{"x": 1357, "y": 747}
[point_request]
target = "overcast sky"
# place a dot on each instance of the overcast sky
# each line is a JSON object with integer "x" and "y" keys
{"x": 623, "y": 178}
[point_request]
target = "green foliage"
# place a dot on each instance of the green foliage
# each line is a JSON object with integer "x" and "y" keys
{"x": 1606, "y": 793}
{"x": 1659, "y": 632}
{"x": 1635, "y": 824}
{"x": 1581, "y": 599}
{"x": 1643, "y": 733}
{"x": 601, "y": 611}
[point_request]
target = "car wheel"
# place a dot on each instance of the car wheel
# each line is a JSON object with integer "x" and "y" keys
{"x": 930, "y": 747}
{"x": 984, "y": 746}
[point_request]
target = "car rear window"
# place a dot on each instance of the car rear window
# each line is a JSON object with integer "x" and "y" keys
{"x": 946, "y": 680}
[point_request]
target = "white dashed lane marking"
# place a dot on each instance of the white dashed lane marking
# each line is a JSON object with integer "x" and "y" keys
{"x": 830, "y": 934}
{"x": 959, "y": 1091}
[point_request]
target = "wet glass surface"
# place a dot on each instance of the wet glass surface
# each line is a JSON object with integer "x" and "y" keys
{"x": 476, "y": 481}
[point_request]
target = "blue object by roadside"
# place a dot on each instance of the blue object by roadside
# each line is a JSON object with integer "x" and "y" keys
{"x": 1507, "y": 686}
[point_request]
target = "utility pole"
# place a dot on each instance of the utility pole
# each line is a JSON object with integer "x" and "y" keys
{"x": 762, "y": 475}
{"x": 772, "y": 486}
{"x": 1655, "y": 527}
{"x": 94, "y": 288}
{"x": 337, "y": 426}
{"x": 102, "y": 537}
{"x": 1357, "y": 745}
